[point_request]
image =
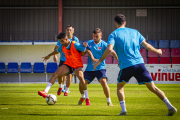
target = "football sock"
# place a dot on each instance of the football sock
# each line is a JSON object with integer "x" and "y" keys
{"x": 86, "y": 94}
{"x": 48, "y": 87}
{"x": 67, "y": 89}
{"x": 82, "y": 95}
{"x": 61, "y": 85}
{"x": 168, "y": 104}
{"x": 123, "y": 106}
{"x": 65, "y": 82}
{"x": 108, "y": 99}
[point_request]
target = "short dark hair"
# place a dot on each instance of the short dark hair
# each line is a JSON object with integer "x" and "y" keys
{"x": 97, "y": 30}
{"x": 62, "y": 35}
{"x": 69, "y": 26}
{"x": 120, "y": 19}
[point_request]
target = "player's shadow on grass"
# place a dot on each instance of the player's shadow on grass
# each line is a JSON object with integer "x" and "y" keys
{"x": 65, "y": 115}
{"x": 43, "y": 104}
{"x": 84, "y": 115}
{"x": 26, "y": 104}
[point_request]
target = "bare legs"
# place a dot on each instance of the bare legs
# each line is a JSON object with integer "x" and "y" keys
{"x": 151, "y": 86}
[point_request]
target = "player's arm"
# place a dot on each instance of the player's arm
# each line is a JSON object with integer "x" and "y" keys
{"x": 151, "y": 48}
{"x": 91, "y": 55}
{"x": 59, "y": 50}
{"x": 55, "y": 56}
{"x": 82, "y": 48}
{"x": 49, "y": 55}
{"x": 85, "y": 44}
{"x": 83, "y": 53}
{"x": 113, "y": 53}
{"x": 105, "y": 54}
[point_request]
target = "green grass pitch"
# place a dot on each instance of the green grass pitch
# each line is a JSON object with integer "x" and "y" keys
{"x": 21, "y": 101}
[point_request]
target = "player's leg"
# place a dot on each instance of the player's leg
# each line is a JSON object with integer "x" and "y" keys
{"x": 121, "y": 97}
{"x": 60, "y": 80}
{"x": 123, "y": 77}
{"x": 80, "y": 75}
{"x": 142, "y": 75}
{"x": 63, "y": 83}
{"x": 68, "y": 83}
{"x": 89, "y": 77}
{"x": 63, "y": 70}
{"x": 82, "y": 98}
{"x": 106, "y": 90}
{"x": 152, "y": 87}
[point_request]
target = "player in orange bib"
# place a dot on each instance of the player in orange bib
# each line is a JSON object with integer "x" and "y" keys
{"x": 73, "y": 62}
{"x": 73, "y": 57}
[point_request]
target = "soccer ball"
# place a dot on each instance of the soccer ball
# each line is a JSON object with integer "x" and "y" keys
{"x": 51, "y": 99}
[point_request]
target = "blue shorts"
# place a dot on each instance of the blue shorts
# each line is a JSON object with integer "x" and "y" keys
{"x": 90, "y": 75}
{"x": 70, "y": 68}
{"x": 139, "y": 71}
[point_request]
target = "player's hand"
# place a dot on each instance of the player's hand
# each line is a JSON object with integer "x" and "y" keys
{"x": 85, "y": 44}
{"x": 96, "y": 64}
{"x": 55, "y": 58}
{"x": 46, "y": 58}
{"x": 94, "y": 60}
{"x": 159, "y": 51}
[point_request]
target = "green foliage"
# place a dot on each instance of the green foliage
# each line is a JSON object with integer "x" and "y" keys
{"x": 21, "y": 101}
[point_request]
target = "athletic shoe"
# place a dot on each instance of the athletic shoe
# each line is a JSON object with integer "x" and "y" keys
{"x": 123, "y": 113}
{"x": 59, "y": 91}
{"x": 42, "y": 93}
{"x": 81, "y": 101}
{"x": 172, "y": 111}
{"x": 109, "y": 104}
{"x": 65, "y": 94}
{"x": 87, "y": 101}
{"x": 63, "y": 90}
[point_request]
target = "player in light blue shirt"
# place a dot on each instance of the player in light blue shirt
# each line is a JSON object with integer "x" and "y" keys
{"x": 126, "y": 42}
{"x": 97, "y": 50}
{"x": 62, "y": 87}
{"x": 97, "y": 47}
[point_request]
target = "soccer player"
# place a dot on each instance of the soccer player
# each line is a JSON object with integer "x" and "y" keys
{"x": 97, "y": 47}
{"x": 126, "y": 42}
{"x": 61, "y": 80}
{"x": 73, "y": 62}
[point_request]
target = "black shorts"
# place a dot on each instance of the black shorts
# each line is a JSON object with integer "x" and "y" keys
{"x": 70, "y": 68}
{"x": 61, "y": 63}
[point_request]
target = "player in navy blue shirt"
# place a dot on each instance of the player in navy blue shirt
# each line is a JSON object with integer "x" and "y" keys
{"x": 97, "y": 47}
{"x": 126, "y": 42}
{"x": 61, "y": 80}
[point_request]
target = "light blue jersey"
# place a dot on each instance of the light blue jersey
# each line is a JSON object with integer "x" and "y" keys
{"x": 97, "y": 51}
{"x": 62, "y": 58}
{"x": 77, "y": 45}
{"x": 126, "y": 42}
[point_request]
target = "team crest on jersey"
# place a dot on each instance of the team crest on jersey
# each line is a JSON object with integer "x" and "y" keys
{"x": 99, "y": 48}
